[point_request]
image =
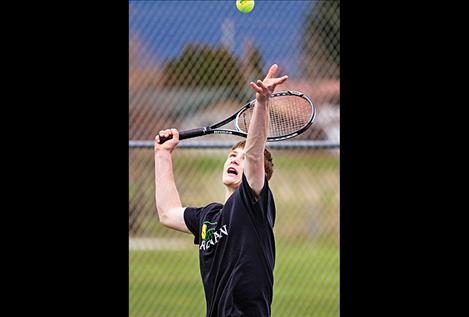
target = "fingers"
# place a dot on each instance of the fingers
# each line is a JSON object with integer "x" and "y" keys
{"x": 259, "y": 87}
{"x": 168, "y": 135}
{"x": 272, "y": 71}
{"x": 175, "y": 134}
{"x": 281, "y": 80}
{"x": 265, "y": 90}
{"x": 168, "y": 132}
{"x": 267, "y": 87}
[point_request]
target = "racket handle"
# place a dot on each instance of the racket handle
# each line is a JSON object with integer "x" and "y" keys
{"x": 187, "y": 134}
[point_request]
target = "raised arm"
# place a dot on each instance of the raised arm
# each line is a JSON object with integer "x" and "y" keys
{"x": 258, "y": 127}
{"x": 168, "y": 203}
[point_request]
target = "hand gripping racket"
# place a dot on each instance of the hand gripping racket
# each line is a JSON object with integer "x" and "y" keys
{"x": 290, "y": 113}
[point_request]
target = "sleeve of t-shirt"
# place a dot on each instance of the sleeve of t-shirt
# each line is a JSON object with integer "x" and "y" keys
{"x": 192, "y": 219}
{"x": 263, "y": 206}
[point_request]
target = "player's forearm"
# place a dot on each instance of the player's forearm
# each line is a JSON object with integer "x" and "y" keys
{"x": 257, "y": 136}
{"x": 254, "y": 147}
{"x": 166, "y": 194}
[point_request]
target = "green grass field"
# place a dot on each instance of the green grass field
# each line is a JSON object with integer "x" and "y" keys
{"x": 168, "y": 283}
{"x": 305, "y": 185}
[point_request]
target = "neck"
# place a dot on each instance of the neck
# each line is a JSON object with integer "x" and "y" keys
{"x": 228, "y": 192}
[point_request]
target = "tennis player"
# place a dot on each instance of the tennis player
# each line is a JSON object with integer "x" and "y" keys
{"x": 235, "y": 239}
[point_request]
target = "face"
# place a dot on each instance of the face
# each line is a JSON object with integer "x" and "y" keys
{"x": 233, "y": 168}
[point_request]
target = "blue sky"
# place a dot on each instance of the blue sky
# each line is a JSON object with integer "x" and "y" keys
{"x": 165, "y": 27}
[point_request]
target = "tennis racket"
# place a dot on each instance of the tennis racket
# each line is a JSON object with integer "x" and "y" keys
{"x": 290, "y": 112}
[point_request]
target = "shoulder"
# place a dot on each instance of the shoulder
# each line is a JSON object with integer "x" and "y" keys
{"x": 248, "y": 192}
{"x": 213, "y": 206}
{"x": 204, "y": 210}
{"x": 194, "y": 216}
{"x": 261, "y": 206}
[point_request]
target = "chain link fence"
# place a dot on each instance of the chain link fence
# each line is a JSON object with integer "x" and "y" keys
{"x": 190, "y": 63}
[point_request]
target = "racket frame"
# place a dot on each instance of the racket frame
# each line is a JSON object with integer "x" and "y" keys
{"x": 214, "y": 128}
{"x": 278, "y": 94}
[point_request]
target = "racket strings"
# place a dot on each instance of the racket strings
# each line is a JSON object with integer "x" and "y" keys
{"x": 287, "y": 115}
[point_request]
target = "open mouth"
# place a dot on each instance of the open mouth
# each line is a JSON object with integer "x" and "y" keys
{"x": 231, "y": 170}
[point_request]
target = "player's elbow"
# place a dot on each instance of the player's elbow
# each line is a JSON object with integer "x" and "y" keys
{"x": 163, "y": 217}
{"x": 167, "y": 222}
{"x": 169, "y": 218}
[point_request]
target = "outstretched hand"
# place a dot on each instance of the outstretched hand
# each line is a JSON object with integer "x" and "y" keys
{"x": 267, "y": 86}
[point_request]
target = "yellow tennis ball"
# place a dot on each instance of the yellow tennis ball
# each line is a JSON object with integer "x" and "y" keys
{"x": 245, "y": 6}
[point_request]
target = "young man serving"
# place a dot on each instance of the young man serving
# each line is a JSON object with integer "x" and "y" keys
{"x": 235, "y": 239}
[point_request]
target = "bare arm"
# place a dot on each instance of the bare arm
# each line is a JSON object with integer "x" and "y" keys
{"x": 257, "y": 136}
{"x": 168, "y": 203}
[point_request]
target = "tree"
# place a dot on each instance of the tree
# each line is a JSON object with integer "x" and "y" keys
{"x": 202, "y": 66}
{"x": 321, "y": 45}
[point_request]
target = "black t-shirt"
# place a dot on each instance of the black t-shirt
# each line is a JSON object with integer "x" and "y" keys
{"x": 236, "y": 252}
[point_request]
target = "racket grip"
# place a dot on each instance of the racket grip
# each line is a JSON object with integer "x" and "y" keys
{"x": 187, "y": 134}
{"x": 164, "y": 139}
